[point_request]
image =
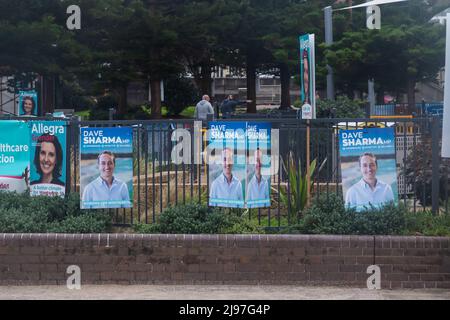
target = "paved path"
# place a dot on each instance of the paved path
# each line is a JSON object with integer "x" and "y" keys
{"x": 225, "y": 292}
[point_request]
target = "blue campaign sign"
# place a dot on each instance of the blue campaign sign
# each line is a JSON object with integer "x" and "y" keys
{"x": 227, "y": 169}
{"x": 258, "y": 165}
{"x": 106, "y": 167}
{"x": 240, "y": 170}
{"x": 368, "y": 167}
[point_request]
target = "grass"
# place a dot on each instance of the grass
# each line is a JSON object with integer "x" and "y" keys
{"x": 186, "y": 113}
{"x": 83, "y": 114}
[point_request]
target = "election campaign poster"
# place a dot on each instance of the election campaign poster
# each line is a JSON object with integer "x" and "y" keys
{"x": 48, "y": 158}
{"x": 227, "y": 166}
{"x": 14, "y": 156}
{"x": 106, "y": 167}
{"x": 28, "y": 103}
{"x": 258, "y": 165}
{"x": 308, "y": 75}
{"x": 368, "y": 167}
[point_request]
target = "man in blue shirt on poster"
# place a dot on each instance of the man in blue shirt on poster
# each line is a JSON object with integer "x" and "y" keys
{"x": 369, "y": 190}
{"x": 226, "y": 186}
{"x": 107, "y": 190}
{"x": 258, "y": 187}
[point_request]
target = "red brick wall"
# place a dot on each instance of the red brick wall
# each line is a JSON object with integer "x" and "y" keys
{"x": 405, "y": 262}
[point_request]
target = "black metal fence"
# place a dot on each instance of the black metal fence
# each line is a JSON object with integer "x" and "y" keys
{"x": 423, "y": 177}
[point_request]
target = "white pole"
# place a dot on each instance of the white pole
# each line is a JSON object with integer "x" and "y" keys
{"x": 446, "y": 124}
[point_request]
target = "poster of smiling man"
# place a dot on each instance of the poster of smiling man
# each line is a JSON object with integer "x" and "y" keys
{"x": 48, "y": 158}
{"x": 106, "y": 167}
{"x": 258, "y": 165}
{"x": 227, "y": 167}
{"x": 368, "y": 167}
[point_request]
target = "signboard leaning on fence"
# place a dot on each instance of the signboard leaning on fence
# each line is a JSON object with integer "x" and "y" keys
{"x": 106, "y": 167}
{"x": 227, "y": 168}
{"x": 14, "y": 156}
{"x": 28, "y": 103}
{"x": 258, "y": 165}
{"x": 368, "y": 167}
{"x": 48, "y": 158}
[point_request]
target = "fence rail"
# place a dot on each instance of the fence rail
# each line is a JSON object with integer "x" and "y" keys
{"x": 159, "y": 183}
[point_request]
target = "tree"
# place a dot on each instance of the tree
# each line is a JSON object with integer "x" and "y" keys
{"x": 407, "y": 49}
{"x": 292, "y": 19}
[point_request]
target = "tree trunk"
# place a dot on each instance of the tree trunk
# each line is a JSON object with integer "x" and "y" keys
{"x": 411, "y": 95}
{"x": 205, "y": 80}
{"x": 251, "y": 84}
{"x": 380, "y": 96}
{"x": 48, "y": 95}
{"x": 155, "y": 91}
{"x": 285, "y": 79}
{"x": 121, "y": 91}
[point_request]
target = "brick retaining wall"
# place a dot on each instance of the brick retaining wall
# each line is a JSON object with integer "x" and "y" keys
{"x": 405, "y": 262}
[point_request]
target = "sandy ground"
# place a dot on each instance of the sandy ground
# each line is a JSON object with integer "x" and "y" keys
{"x": 203, "y": 292}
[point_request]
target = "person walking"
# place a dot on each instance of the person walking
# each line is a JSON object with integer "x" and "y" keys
{"x": 203, "y": 109}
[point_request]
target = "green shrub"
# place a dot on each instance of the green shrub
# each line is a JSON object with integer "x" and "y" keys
{"x": 22, "y": 213}
{"x": 342, "y": 107}
{"x": 196, "y": 218}
{"x": 388, "y": 220}
{"x": 427, "y": 224}
{"x": 328, "y": 215}
{"x": 180, "y": 93}
{"x": 100, "y": 111}
{"x": 13, "y": 220}
{"x": 87, "y": 223}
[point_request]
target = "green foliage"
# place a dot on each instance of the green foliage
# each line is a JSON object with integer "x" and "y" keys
{"x": 342, "y": 107}
{"x": 180, "y": 93}
{"x": 100, "y": 111}
{"x": 23, "y": 213}
{"x": 87, "y": 223}
{"x": 328, "y": 215}
{"x": 295, "y": 200}
{"x": 427, "y": 224}
{"x": 195, "y": 218}
{"x": 418, "y": 170}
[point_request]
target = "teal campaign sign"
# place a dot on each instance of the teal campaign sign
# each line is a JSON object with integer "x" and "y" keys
{"x": 14, "y": 155}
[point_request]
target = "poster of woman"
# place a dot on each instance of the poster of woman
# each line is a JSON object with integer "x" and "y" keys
{"x": 28, "y": 103}
{"x": 368, "y": 167}
{"x": 106, "y": 167}
{"x": 48, "y": 158}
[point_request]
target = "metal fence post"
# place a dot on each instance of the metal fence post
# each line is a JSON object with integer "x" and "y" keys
{"x": 435, "y": 150}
